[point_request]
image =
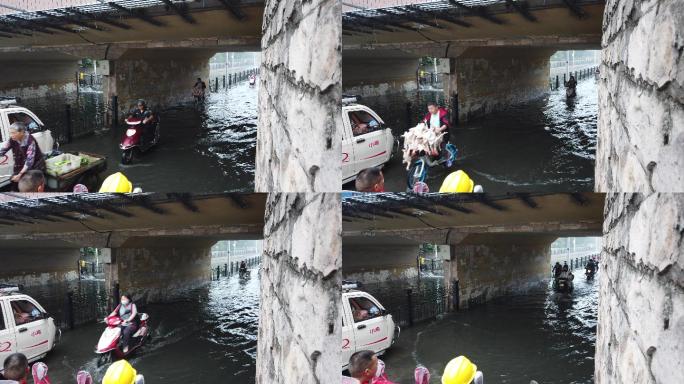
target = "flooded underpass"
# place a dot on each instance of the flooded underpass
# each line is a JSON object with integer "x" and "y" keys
{"x": 211, "y": 148}
{"x": 545, "y": 145}
{"x": 209, "y": 336}
{"x": 541, "y": 335}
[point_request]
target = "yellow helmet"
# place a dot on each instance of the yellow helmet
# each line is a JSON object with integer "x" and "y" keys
{"x": 121, "y": 372}
{"x": 458, "y": 181}
{"x": 459, "y": 371}
{"x": 116, "y": 183}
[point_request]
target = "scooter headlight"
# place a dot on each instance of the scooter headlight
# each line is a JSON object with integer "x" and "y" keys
{"x": 130, "y": 132}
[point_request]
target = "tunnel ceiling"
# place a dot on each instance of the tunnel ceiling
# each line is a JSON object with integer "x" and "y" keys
{"x": 552, "y": 23}
{"x": 401, "y": 214}
{"x": 225, "y": 23}
{"x": 212, "y": 216}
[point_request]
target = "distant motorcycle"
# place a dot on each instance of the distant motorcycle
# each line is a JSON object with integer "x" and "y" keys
{"x": 564, "y": 283}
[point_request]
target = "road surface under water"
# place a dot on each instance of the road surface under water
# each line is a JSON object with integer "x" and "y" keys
{"x": 209, "y": 337}
{"x": 546, "y": 145}
{"x": 211, "y": 149}
{"x": 545, "y": 336}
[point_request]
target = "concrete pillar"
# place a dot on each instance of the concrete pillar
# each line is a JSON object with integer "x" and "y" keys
{"x": 492, "y": 265}
{"x": 38, "y": 266}
{"x": 641, "y": 302}
{"x": 163, "y": 77}
{"x": 38, "y": 77}
{"x": 490, "y": 79}
{"x": 374, "y": 263}
{"x": 161, "y": 273}
{"x": 300, "y": 123}
{"x": 641, "y": 98}
{"x": 370, "y": 75}
{"x": 299, "y": 317}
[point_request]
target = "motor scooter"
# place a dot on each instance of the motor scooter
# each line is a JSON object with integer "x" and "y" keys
{"x": 252, "y": 79}
{"x": 132, "y": 140}
{"x": 110, "y": 348}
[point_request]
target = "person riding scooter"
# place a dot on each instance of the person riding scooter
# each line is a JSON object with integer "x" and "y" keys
{"x": 590, "y": 269}
{"x": 243, "y": 267}
{"x": 147, "y": 117}
{"x": 437, "y": 118}
{"x": 128, "y": 313}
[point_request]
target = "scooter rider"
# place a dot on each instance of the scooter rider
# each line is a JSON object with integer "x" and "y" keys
{"x": 128, "y": 313}
{"x": 243, "y": 267}
{"x": 147, "y": 116}
{"x": 437, "y": 118}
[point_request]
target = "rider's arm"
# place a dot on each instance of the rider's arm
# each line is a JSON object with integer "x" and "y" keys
{"x": 134, "y": 311}
{"x": 115, "y": 310}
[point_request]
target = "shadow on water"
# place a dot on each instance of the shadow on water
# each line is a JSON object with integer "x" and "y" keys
{"x": 546, "y": 145}
{"x": 542, "y": 335}
{"x": 206, "y": 150}
{"x": 209, "y": 336}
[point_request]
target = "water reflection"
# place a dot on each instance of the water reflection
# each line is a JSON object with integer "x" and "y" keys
{"x": 547, "y": 145}
{"x": 543, "y": 336}
{"x": 207, "y": 150}
{"x": 210, "y": 336}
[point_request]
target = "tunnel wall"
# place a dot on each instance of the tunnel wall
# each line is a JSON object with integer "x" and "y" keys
{"x": 161, "y": 274}
{"x": 489, "y": 266}
{"x": 36, "y": 79}
{"x": 641, "y": 98}
{"x": 378, "y": 263}
{"x": 492, "y": 79}
{"x": 378, "y": 76}
{"x": 300, "y": 281}
{"x": 31, "y": 267}
{"x": 641, "y": 294}
{"x": 163, "y": 78}
{"x": 299, "y": 93}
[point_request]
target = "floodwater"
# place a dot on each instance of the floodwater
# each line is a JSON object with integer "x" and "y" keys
{"x": 210, "y": 149}
{"x": 209, "y": 337}
{"x": 546, "y": 145}
{"x": 544, "y": 336}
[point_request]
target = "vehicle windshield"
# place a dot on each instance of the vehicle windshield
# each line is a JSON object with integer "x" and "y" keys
{"x": 363, "y": 122}
{"x": 22, "y": 117}
{"x": 25, "y": 312}
{"x": 363, "y": 309}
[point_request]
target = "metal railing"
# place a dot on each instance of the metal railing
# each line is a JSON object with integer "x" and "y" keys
{"x": 555, "y": 82}
{"x": 233, "y": 267}
{"x": 224, "y": 82}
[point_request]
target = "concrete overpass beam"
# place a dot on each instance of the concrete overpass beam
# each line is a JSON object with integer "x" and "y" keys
{"x": 492, "y": 265}
{"x": 488, "y": 79}
{"x": 163, "y": 77}
{"x": 161, "y": 273}
{"x": 375, "y": 263}
{"x": 38, "y": 266}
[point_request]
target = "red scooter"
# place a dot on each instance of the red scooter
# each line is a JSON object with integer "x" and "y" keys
{"x": 132, "y": 140}
{"x": 109, "y": 347}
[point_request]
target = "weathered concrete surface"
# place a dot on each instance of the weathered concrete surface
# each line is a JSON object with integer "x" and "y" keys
{"x": 374, "y": 263}
{"x": 492, "y": 265}
{"x": 374, "y": 76}
{"x": 38, "y": 266}
{"x": 25, "y": 78}
{"x": 160, "y": 274}
{"x": 491, "y": 79}
{"x": 641, "y": 98}
{"x": 162, "y": 77}
{"x": 299, "y": 135}
{"x": 300, "y": 318}
{"x": 641, "y": 306}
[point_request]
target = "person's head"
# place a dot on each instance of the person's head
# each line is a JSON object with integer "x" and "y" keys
{"x": 125, "y": 299}
{"x": 432, "y": 108}
{"x": 142, "y": 104}
{"x": 572, "y": 77}
{"x": 16, "y": 367}
{"x": 32, "y": 181}
{"x": 17, "y": 131}
{"x": 199, "y": 79}
{"x": 565, "y": 263}
{"x": 121, "y": 372}
{"x": 459, "y": 370}
{"x": 370, "y": 180}
{"x": 363, "y": 365}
